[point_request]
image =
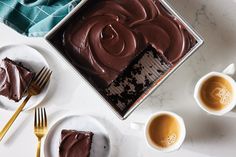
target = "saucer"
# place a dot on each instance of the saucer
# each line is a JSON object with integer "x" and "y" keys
{"x": 100, "y": 143}
{"x": 31, "y": 59}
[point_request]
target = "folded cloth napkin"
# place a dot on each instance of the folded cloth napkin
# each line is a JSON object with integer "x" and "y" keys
{"x": 34, "y": 17}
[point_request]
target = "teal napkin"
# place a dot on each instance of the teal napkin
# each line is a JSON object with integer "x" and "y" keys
{"x": 34, "y": 17}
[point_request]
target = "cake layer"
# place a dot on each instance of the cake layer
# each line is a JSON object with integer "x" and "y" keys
{"x": 104, "y": 38}
{"x": 75, "y": 143}
{"x": 14, "y": 79}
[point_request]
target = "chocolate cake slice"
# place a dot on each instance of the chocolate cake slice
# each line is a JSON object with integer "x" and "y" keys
{"x": 75, "y": 143}
{"x": 14, "y": 79}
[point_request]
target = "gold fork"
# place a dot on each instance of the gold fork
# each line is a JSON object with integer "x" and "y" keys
{"x": 40, "y": 126}
{"x": 39, "y": 82}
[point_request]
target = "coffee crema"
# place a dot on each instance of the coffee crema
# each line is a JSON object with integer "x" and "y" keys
{"x": 216, "y": 93}
{"x": 164, "y": 130}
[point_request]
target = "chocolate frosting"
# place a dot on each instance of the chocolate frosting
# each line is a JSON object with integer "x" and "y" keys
{"x": 111, "y": 33}
{"x": 14, "y": 79}
{"x": 75, "y": 143}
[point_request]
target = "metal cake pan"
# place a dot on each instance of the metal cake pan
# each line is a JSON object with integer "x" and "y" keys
{"x": 158, "y": 82}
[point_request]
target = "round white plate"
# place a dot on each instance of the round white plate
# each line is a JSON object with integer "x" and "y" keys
{"x": 100, "y": 143}
{"x": 31, "y": 59}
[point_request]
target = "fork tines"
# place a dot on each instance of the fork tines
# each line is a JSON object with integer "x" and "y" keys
{"x": 40, "y": 118}
{"x": 42, "y": 77}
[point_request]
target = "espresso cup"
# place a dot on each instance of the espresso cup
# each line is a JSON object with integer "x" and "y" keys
{"x": 164, "y": 131}
{"x": 215, "y": 92}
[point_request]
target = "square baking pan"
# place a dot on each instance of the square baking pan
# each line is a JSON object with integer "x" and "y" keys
{"x": 124, "y": 109}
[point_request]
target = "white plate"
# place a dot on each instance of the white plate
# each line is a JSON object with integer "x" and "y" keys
{"x": 100, "y": 144}
{"x": 30, "y": 58}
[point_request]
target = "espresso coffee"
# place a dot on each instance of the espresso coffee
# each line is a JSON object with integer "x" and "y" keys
{"x": 216, "y": 93}
{"x": 164, "y": 130}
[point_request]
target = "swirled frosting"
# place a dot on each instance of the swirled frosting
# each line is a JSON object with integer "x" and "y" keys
{"x": 75, "y": 143}
{"x": 14, "y": 79}
{"x": 109, "y": 34}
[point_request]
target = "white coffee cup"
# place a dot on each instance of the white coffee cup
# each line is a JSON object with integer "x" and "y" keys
{"x": 145, "y": 127}
{"x": 226, "y": 74}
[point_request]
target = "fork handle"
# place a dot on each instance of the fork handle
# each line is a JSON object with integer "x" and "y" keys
{"x": 38, "y": 148}
{"x": 13, "y": 118}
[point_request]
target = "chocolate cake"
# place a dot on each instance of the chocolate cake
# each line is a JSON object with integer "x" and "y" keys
{"x": 105, "y": 38}
{"x": 14, "y": 79}
{"x": 123, "y": 47}
{"x": 75, "y": 143}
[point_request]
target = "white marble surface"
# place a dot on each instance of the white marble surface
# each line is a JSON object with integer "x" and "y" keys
{"x": 206, "y": 135}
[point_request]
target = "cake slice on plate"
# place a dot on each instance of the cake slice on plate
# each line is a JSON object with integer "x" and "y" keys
{"x": 75, "y": 143}
{"x": 14, "y": 79}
